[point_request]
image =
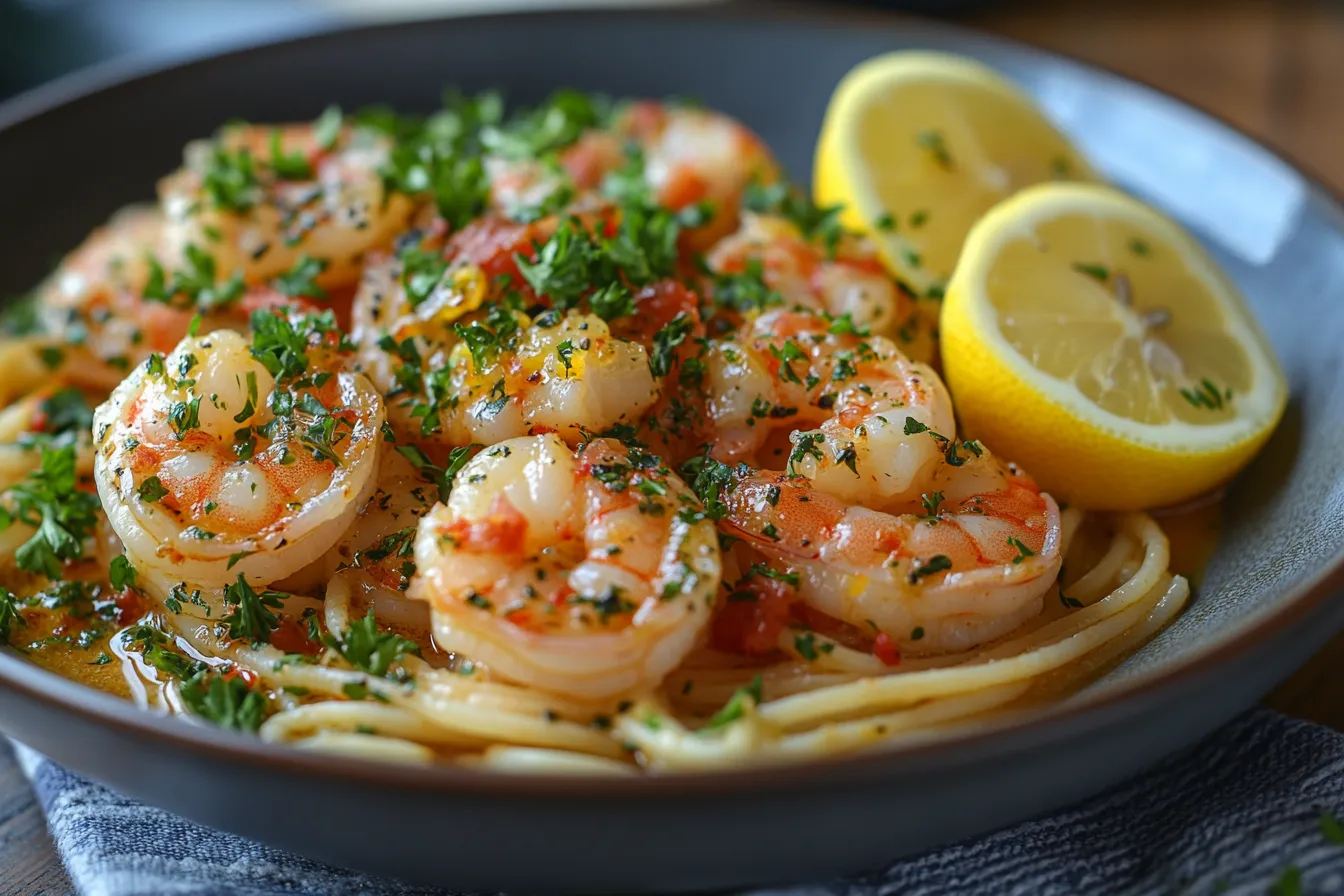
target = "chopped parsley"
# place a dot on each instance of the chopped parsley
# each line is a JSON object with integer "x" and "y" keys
{"x": 225, "y": 700}
{"x": 50, "y": 501}
{"x": 301, "y": 280}
{"x": 193, "y": 286}
{"x": 230, "y": 179}
{"x": 184, "y": 416}
{"x": 281, "y": 344}
{"x": 745, "y": 291}
{"x": 936, "y": 563}
{"x": 565, "y": 266}
{"x": 65, "y": 411}
{"x": 760, "y": 569}
{"x": 1023, "y": 552}
{"x": 935, "y": 145}
{"x": 370, "y": 650}
{"x": 551, "y": 126}
{"x": 710, "y": 480}
{"x": 665, "y": 342}
{"x": 808, "y": 648}
{"x": 931, "y": 503}
{"x": 737, "y": 706}
{"x": 1331, "y": 828}
{"x": 806, "y": 446}
{"x": 1206, "y": 395}
{"x": 819, "y": 223}
{"x": 288, "y": 165}
{"x": 327, "y": 127}
{"x": 121, "y": 574}
{"x": 10, "y": 618}
{"x": 440, "y": 476}
{"x": 1096, "y": 271}
{"x": 612, "y": 301}
{"x": 251, "y": 617}
{"x": 844, "y": 326}
{"x": 151, "y": 490}
{"x": 786, "y": 355}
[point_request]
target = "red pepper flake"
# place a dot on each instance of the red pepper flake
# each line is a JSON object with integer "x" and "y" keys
{"x": 886, "y": 650}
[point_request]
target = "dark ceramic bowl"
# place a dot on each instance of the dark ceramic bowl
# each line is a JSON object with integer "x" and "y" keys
{"x": 72, "y": 153}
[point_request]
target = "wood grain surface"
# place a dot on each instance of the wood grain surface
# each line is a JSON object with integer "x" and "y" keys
{"x": 1273, "y": 69}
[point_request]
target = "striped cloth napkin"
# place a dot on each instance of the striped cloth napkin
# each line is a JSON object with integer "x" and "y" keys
{"x": 1254, "y": 809}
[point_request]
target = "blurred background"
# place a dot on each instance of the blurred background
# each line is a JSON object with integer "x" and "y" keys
{"x": 1272, "y": 68}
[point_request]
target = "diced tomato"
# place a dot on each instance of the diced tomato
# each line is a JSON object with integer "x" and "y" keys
{"x": 753, "y": 627}
{"x": 886, "y": 650}
{"x": 490, "y": 243}
{"x": 657, "y": 305}
{"x": 292, "y": 637}
{"x": 38, "y": 422}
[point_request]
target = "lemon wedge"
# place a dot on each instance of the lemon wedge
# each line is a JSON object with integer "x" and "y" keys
{"x": 918, "y": 145}
{"x": 1089, "y": 338}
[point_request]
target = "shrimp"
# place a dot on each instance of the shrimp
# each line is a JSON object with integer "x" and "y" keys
{"x": 845, "y": 279}
{"x": 260, "y": 198}
{"x": 695, "y": 155}
{"x": 444, "y": 334}
{"x": 683, "y": 156}
{"x": 970, "y": 565}
{"x": 850, "y": 402}
{"x": 563, "y": 373}
{"x": 213, "y": 464}
{"x": 95, "y": 302}
{"x": 588, "y": 574}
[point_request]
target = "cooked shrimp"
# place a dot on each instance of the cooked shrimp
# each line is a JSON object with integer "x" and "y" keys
{"x": 211, "y": 465}
{"x": 843, "y": 280}
{"x": 442, "y": 333}
{"x": 260, "y": 197}
{"x": 94, "y": 303}
{"x": 588, "y": 574}
{"x": 848, "y": 400}
{"x": 553, "y": 373}
{"x": 695, "y": 155}
{"x": 969, "y": 565}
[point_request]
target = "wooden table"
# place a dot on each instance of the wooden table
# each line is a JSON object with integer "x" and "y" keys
{"x": 1273, "y": 69}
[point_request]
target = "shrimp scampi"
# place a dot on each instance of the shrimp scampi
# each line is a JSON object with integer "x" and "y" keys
{"x": 569, "y": 437}
{"x": 213, "y": 463}
{"x": 588, "y": 573}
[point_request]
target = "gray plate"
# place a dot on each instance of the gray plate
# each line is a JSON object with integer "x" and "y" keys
{"x": 72, "y": 153}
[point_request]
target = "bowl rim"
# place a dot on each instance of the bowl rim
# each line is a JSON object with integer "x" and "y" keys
{"x": 1020, "y": 731}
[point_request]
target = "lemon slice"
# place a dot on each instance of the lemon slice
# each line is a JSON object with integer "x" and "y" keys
{"x": 1089, "y": 338}
{"x": 918, "y": 145}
